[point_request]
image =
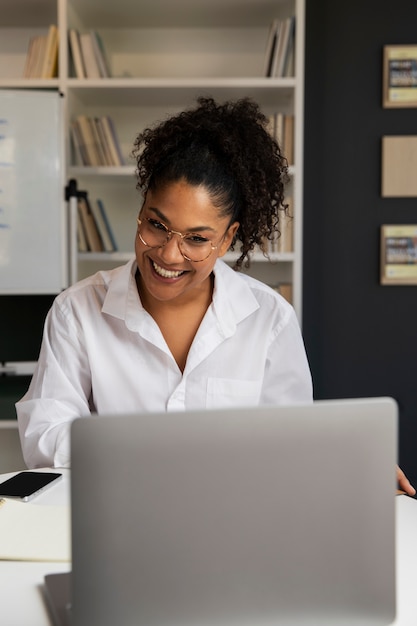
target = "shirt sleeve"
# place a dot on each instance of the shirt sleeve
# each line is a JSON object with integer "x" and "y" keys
{"x": 59, "y": 392}
{"x": 287, "y": 378}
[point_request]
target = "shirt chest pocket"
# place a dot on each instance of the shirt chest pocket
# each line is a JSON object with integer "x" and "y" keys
{"x": 227, "y": 392}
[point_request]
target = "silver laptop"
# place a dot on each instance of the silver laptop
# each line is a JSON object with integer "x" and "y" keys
{"x": 252, "y": 517}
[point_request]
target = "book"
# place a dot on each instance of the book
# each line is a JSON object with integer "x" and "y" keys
{"x": 279, "y": 128}
{"x": 90, "y": 61}
{"x": 275, "y": 49}
{"x": 288, "y": 139}
{"x": 99, "y": 147}
{"x": 30, "y": 57}
{"x": 107, "y": 223}
{"x": 50, "y": 53}
{"x": 81, "y": 238}
{"x": 103, "y": 226}
{"x": 100, "y": 54}
{"x": 33, "y": 532}
{"x": 283, "y": 43}
{"x": 34, "y": 57}
{"x": 79, "y": 156}
{"x": 88, "y": 222}
{"x": 112, "y": 139}
{"x": 288, "y": 61}
{"x": 88, "y": 145}
{"x": 102, "y": 139}
{"x": 76, "y": 54}
{"x": 270, "y": 48}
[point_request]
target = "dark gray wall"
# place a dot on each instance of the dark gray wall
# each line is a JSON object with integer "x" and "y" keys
{"x": 361, "y": 337}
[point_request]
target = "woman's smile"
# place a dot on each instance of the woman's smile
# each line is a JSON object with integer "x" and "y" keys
{"x": 165, "y": 273}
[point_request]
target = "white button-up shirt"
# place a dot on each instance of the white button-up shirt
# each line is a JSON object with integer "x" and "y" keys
{"x": 103, "y": 353}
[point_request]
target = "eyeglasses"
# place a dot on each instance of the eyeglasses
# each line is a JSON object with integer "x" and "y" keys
{"x": 193, "y": 246}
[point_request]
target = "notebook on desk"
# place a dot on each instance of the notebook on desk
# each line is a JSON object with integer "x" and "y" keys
{"x": 255, "y": 517}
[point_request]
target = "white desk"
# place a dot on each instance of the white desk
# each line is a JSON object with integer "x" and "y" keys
{"x": 21, "y": 599}
{"x": 22, "y": 603}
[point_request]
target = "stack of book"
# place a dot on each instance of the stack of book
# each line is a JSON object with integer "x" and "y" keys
{"x": 95, "y": 141}
{"x": 88, "y": 55}
{"x": 281, "y": 127}
{"x": 42, "y": 55}
{"x": 94, "y": 233}
{"x": 279, "y": 53}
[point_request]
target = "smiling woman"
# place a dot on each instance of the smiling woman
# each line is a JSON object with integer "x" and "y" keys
{"x": 177, "y": 328}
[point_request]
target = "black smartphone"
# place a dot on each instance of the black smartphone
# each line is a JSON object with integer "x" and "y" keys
{"x": 27, "y": 485}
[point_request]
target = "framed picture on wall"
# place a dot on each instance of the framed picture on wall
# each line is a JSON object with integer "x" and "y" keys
{"x": 399, "y": 76}
{"x": 399, "y": 254}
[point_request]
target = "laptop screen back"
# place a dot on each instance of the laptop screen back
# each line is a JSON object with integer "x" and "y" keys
{"x": 262, "y": 516}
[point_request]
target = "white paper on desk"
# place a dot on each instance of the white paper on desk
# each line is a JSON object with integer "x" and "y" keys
{"x": 31, "y": 532}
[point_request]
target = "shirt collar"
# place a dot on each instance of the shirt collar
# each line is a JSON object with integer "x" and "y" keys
{"x": 233, "y": 300}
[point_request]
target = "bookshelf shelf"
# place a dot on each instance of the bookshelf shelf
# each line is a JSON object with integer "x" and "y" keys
{"x": 103, "y": 171}
{"x": 32, "y": 83}
{"x": 113, "y": 257}
{"x": 162, "y": 55}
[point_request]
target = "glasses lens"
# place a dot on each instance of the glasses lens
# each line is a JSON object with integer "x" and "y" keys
{"x": 196, "y": 248}
{"x": 156, "y": 235}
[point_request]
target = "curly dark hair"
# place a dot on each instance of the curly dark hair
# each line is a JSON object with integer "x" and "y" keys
{"x": 228, "y": 149}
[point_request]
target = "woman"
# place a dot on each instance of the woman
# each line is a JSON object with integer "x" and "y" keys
{"x": 177, "y": 328}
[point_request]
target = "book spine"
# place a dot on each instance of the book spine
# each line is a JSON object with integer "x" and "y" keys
{"x": 277, "y": 47}
{"x": 91, "y": 66}
{"x": 76, "y": 54}
{"x": 288, "y": 139}
{"x": 90, "y": 227}
{"x": 103, "y": 142}
{"x": 102, "y": 228}
{"x": 50, "y": 58}
{"x": 112, "y": 140}
{"x": 99, "y": 54}
{"x": 87, "y": 140}
{"x": 80, "y": 154}
{"x": 288, "y": 61}
{"x": 283, "y": 44}
{"x": 107, "y": 223}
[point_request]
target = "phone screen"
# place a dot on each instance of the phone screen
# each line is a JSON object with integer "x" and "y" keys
{"x": 26, "y": 485}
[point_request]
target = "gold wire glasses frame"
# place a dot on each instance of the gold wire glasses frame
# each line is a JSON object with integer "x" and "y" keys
{"x": 193, "y": 247}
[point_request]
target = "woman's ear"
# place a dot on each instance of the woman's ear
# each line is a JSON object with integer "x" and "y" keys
{"x": 228, "y": 238}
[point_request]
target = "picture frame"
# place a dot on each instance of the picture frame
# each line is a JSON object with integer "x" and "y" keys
{"x": 398, "y": 254}
{"x": 399, "y": 76}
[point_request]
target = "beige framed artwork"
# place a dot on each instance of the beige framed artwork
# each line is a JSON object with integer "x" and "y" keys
{"x": 399, "y": 254}
{"x": 399, "y": 76}
{"x": 399, "y": 166}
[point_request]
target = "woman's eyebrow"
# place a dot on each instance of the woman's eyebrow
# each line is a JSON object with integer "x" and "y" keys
{"x": 166, "y": 221}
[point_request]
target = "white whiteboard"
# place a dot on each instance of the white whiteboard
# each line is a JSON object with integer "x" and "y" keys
{"x": 32, "y": 205}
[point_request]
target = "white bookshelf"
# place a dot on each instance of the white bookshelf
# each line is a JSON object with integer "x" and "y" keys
{"x": 163, "y": 55}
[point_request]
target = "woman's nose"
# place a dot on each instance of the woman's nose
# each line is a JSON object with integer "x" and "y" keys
{"x": 171, "y": 251}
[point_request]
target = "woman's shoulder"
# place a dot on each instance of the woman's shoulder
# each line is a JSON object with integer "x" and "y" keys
{"x": 95, "y": 286}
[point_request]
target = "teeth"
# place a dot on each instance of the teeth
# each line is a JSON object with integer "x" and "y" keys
{"x": 165, "y": 273}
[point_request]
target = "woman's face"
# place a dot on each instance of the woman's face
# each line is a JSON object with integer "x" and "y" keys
{"x": 164, "y": 272}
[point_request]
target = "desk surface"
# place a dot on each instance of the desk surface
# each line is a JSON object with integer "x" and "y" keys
{"x": 22, "y": 602}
